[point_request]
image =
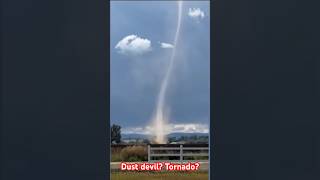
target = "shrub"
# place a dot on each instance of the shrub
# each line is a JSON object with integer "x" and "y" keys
{"x": 134, "y": 153}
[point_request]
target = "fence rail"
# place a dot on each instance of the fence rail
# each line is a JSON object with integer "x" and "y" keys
{"x": 180, "y": 151}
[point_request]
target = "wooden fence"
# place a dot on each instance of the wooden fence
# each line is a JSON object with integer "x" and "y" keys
{"x": 178, "y": 151}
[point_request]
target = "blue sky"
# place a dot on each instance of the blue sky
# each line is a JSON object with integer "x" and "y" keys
{"x": 137, "y": 69}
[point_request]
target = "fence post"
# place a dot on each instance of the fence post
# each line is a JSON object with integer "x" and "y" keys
{"x": 149, "y": 153}
{"x": 181, "y": 153}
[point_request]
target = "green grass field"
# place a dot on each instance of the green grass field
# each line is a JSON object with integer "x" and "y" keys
{"x": 159, "y": 176}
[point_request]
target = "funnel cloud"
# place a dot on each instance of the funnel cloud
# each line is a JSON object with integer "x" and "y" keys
{"x": 160, "y": 117}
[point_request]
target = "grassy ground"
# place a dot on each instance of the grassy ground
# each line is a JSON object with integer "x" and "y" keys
{"x": 159, "y": 176}
{"x": 129, "y": 154}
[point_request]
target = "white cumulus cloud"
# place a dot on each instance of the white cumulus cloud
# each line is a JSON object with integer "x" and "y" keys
{"x": 133, "y": 45}
{"x": 166, "y": 45}
{"x": 196, "y": 13}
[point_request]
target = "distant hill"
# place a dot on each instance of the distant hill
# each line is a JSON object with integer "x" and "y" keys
{"x": 187, "y": 134}
{"x": 177, "y": 135}
{"x": 134, "y": 136}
